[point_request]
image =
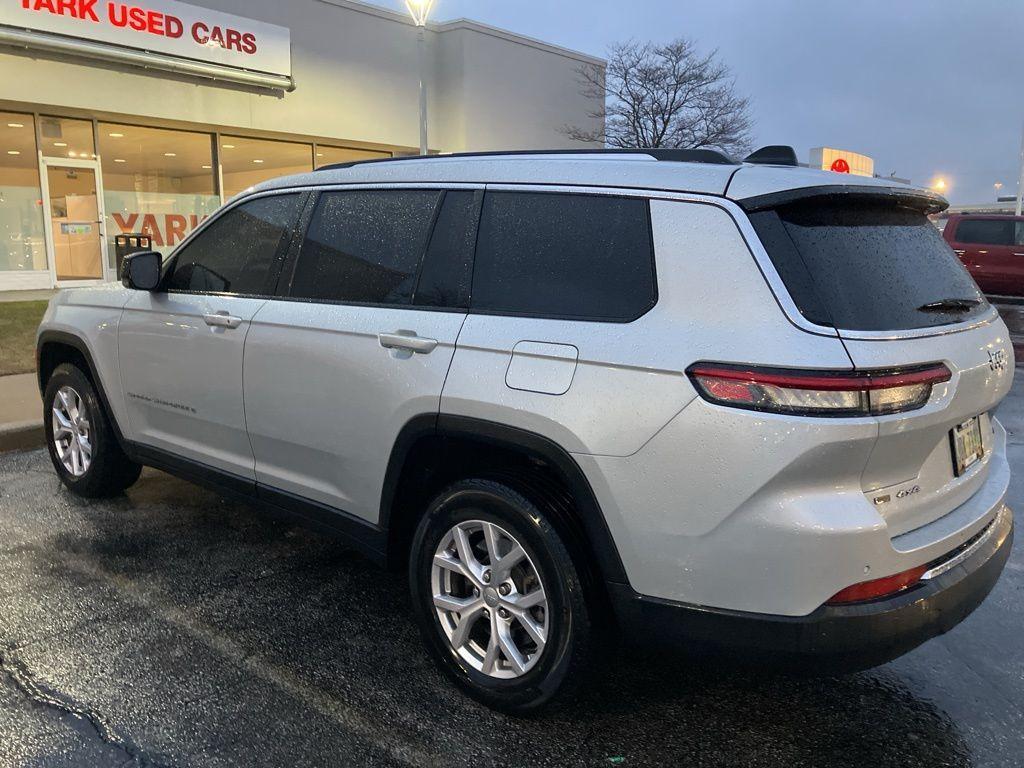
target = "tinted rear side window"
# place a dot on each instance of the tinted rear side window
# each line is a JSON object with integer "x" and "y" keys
{"x": 448, "y": 266}
{"x": 234, "y": 254}
{"x": 985, "y": 232}
{"x": 867, "y": 267}
{"x": 558, "y": 255}
{"x": 365, "y": 247}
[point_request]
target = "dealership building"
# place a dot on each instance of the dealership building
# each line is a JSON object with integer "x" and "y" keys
{"x": 144, "y": 116}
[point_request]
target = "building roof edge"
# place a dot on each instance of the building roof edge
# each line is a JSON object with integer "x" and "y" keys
{"x": 468, "y": 24}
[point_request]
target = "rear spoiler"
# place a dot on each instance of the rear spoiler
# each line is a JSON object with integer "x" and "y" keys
{"x": 919, "y": 199}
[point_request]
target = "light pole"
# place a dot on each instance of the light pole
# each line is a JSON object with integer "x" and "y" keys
{"x": 1020, "y": 179}
{"x": 420, "y": 10}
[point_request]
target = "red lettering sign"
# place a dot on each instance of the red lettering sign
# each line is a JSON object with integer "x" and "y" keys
{"x": 141, "y": 19}
{"x": 77, "y": 9}
{"x": 176, "y": 225}
{"x": 167, "y": 230}
{"x": 224, "y": 37}
{"x": 126, "y": 225}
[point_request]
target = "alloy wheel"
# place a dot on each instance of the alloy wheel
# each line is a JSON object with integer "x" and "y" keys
{"x": 489, "y": 599}
{"x": 71, "y": 431}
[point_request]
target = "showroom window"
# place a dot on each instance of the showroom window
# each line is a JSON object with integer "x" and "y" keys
{"x": 156, "y": 182}
{"x": 22, "y": 246}
{"x": 66, "y": 137}
{"x": 331, "y": 155}
{"x": 249, "y": 161}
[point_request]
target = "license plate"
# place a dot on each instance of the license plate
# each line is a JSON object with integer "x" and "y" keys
{"x": 967, "y": 445}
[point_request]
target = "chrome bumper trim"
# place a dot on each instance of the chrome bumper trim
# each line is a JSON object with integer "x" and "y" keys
{"x": 964, "y": 554}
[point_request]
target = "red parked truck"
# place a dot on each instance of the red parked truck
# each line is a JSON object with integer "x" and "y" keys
{"x": 991, "y": 246}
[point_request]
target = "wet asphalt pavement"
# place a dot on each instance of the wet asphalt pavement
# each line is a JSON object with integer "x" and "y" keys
{"x": 171, "y": 628}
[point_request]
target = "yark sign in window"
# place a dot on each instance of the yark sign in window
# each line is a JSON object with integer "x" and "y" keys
{"x": 162, "y": 26}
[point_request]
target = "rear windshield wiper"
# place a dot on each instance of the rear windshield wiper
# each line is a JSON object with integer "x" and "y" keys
{"x": 949, "y": 305}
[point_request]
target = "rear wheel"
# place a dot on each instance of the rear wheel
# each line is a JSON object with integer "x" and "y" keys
{"x": 82, "y": 445}
{"x": 497, "y": 597}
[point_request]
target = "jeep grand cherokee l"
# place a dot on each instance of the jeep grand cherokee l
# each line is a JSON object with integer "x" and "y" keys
{"x": 698, "y": 400}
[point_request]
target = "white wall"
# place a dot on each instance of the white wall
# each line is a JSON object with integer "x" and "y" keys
{"x": 502, "y": 94}
{"x": 355, "y": 70}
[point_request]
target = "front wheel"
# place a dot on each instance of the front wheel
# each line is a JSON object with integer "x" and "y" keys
{"x": 82, "y": 444}
{"x": 497, "y": 597}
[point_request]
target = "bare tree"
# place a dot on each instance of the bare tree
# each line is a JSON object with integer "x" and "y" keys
{"x": 664, "y": 96}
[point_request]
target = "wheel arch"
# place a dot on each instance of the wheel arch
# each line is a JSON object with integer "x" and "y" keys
{"x": 432, "y": 451}
{"x": 56, "y": 347}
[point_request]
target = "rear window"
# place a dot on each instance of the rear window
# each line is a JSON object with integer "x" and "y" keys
{"x": 985, "y": 232}
{"x": 867, "y": 266}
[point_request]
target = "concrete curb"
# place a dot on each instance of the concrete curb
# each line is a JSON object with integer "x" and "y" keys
{"x": 22, "y": 436}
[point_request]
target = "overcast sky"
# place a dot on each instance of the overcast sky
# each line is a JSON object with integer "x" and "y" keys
{"x": 925, "y": 88}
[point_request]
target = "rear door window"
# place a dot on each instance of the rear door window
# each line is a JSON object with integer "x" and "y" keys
{"x": 586, "y": 257}
{"x": 985, "y": 232}
{"x": 867, "y": 266}
{"x": 365, "y": 246}
{"x": 447, "y": 271}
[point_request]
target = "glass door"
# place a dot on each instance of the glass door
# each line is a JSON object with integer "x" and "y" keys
{"x": 74, "y": 211}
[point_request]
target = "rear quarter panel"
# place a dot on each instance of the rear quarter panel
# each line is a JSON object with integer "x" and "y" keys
{"x": 630, "y": 381}
{"x": 687, "y": 488}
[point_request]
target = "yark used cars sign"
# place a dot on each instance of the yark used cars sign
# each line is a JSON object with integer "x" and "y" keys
{"x": 162, "y": 26}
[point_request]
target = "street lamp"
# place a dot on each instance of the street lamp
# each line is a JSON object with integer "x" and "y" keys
{"x": 1020, "y": 179}
{"x": 420, "y": 10}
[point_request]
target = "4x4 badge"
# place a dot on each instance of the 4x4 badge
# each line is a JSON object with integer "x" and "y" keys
{"x": 997, "y": 359}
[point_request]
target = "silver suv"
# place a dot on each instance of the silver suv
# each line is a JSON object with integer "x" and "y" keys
{"x": 700, "y": 401}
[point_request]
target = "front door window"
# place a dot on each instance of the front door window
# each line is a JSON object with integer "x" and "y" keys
{"x": 73, "y": 208}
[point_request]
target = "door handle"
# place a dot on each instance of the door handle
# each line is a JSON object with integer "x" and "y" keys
{"x": 407, "y": 341}
{"x": 1018, "y": 254}
{"x": 222, "y": 320}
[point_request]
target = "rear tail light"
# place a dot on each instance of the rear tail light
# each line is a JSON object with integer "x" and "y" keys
{"x": 817, "y": 393}
{"x": 884, "y": 587}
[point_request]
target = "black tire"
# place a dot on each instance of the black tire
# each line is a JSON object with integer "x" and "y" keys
{"x": 110, "y": 471}
{"x": 559, "y": 667}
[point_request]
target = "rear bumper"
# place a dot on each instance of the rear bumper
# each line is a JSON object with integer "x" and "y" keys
{"x": 832, "y": 638}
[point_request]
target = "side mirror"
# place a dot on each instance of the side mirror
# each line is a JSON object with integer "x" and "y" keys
{"x": 141, "y": 271}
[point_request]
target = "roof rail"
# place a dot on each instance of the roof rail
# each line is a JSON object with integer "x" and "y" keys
{"x": 711, "y": 156}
